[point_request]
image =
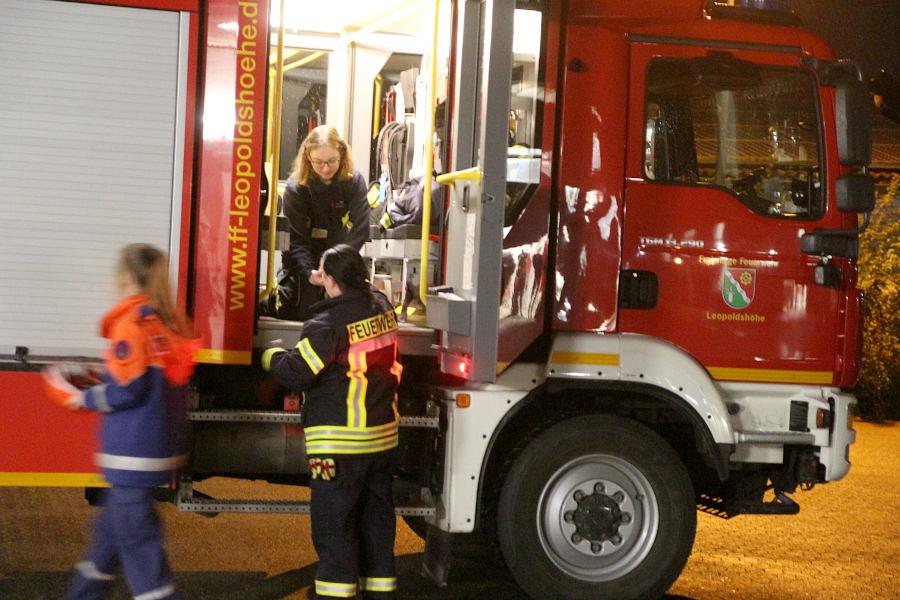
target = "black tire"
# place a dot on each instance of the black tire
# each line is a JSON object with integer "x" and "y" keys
{"x": 564, "y": 504}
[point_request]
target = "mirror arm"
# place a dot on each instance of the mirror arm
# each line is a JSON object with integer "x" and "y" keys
{"x": 832, "y": 72}
{"x": 846, "y": 232}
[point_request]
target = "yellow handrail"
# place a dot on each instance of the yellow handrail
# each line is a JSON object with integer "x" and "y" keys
{"x": 470, "y": 174}
{"x": 376, "y": 110}
{"x": 275, "y": 153}
{"x": 303, "y": 61}
{"x": 429, "y": 161}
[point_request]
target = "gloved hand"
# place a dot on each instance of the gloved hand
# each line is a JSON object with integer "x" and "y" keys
{"x": 57, "y": 382}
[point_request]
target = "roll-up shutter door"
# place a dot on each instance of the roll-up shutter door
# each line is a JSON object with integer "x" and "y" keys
{"x": 90, "y": 141}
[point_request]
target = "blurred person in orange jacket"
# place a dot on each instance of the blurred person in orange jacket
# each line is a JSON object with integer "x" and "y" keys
{"x": 141, "y": 394}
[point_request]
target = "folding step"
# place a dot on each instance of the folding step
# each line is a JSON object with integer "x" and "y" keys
{"x": 245, "y": 416}
{"x": 212, "y": 505}
{"x": 189, "y": 501}
{"x": 280, "y": 416}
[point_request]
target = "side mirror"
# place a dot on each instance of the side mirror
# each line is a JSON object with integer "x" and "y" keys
{"x": 854, "y": 129}
{"x": 828, "y": 243}
{"x": 855, "y": 193}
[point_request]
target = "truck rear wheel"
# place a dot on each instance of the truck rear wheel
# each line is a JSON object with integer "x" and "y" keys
{"x": 597, "y": 507}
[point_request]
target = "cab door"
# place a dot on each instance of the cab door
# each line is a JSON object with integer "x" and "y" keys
{"x": 725, "y": 172}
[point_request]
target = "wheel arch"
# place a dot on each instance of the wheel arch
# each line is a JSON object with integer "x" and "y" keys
{"x": 558, "y": 399}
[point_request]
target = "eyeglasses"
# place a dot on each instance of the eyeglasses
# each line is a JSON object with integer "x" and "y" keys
{"x": 325, "y": 163}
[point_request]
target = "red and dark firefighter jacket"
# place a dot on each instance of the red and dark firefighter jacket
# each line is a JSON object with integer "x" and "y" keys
{"x": 346, "y": 365}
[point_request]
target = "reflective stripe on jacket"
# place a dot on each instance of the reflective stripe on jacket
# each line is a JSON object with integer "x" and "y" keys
{"x": 346, "y": 365}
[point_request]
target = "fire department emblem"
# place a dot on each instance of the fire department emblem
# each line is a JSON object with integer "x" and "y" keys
{"x": 322, "y": 468}
{"x": 738, "y": 287}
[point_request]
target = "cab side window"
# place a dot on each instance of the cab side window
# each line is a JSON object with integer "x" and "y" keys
{"x": 750, "y": 129}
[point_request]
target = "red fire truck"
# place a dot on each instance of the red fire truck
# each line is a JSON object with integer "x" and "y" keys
{"x": 662, "y": 198}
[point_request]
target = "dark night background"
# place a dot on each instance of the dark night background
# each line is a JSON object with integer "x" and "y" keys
{"x": 864, "y": 30}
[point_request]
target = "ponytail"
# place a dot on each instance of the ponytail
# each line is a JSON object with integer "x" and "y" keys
{"x": 348, "y": 269}
{"x": 148, "y": 267}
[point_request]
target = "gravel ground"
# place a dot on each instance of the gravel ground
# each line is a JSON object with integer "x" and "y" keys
{"x": 844, "y": 544}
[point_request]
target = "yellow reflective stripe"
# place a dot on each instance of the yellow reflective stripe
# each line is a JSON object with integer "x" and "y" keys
{"x": 362, "y": 388}
{"x": 349, "y": 434}
{"x": 397, "y": 371}
{"x": 309, "y": 355}
{"x": 351, "y": 447}
{"x": 362, "y": 431}
{"x": 346, "y": 221}
{"x": 351, "y": 392}
{"x": 267, "y": 357}
{"x": 356, "y": 391}
{"x": 222, "y": 357}
{"x": 31, "y": 479}
{"x": 771, "y": 375}
{"x": 335, "y": 589}
{"x": 374, "y": 195}
{"x": 585, "y": 358}
{"x": 378, "y": 584}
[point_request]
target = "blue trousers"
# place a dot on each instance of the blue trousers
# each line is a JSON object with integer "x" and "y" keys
{"x": 127, "y": 537}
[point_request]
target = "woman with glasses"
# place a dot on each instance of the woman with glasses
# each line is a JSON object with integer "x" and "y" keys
{"x": 325, "y": 204}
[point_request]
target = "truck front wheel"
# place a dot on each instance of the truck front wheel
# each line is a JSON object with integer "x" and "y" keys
{"x": 597, "y": 507}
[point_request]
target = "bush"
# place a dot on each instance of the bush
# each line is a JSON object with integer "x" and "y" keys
{"x": 878, "y": 387}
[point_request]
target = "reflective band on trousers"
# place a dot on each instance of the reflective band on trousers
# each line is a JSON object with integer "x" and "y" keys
{"x": 89, "y": 570}
{"x": 138, "y": 463}
{"x": 99, "y": 394}
{"x": 334, "y": 447}
{"x": 378, "y": 584}
{"x": 337, "y": 590}
{"x": 157, "y": 594}
{"x": 338, "y": 432}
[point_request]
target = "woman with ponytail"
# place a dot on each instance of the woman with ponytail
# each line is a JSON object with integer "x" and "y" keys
{"x": 141, "y": 395}
{"x": 346, "y": 365}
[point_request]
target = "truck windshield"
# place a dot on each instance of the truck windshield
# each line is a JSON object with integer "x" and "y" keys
{"x": 760, "y": 141}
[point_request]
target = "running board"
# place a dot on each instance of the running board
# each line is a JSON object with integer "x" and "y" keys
{"x": 280, "y": 416}
{"x": 213, "y": 506}
{"x": 187, "y": 499}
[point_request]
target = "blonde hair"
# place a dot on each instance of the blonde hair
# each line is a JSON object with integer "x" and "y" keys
{"x": 148, "y": 266}
{"x": 323, "y": 135}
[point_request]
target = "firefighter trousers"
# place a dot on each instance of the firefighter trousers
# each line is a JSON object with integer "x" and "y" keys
{"x": 353, "y": 529}
{"x": 127, "y": 537}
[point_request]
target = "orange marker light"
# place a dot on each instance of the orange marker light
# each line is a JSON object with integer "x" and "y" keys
{"x": 463, "y": 401}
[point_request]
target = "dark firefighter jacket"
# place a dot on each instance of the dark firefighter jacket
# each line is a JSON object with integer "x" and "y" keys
{"x": 322, "y": 215}
{"x": 346, "y": 365}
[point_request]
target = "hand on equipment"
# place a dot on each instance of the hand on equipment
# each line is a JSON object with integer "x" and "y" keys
{"x": 62, "y": 382}
{"x": 273, "y": 347}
